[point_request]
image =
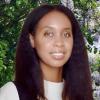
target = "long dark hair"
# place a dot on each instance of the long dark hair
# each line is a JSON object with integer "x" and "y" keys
{"x": 76, "y": 72}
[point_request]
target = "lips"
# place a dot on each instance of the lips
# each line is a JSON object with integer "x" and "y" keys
{"x": 58, "y": 55}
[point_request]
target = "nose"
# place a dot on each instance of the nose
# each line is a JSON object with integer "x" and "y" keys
{"x": 59, "y": 42}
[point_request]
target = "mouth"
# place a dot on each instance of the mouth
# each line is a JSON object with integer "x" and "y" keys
{"x": 58, "y": 55}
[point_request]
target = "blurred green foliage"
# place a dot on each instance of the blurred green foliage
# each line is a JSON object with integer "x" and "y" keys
{"x": 95, "y": 66}
{"x": 12, "y": 16}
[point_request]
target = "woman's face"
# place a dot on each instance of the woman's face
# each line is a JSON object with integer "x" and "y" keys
{"x": 53, "y": 39}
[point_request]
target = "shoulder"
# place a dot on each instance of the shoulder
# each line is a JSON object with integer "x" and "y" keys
{"x": 9, "y": 92}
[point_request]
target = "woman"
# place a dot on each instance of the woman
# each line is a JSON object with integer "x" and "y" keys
{"x": 51, "y": 58}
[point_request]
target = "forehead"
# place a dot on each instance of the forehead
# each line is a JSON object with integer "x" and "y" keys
{"x": 55, "y": 18}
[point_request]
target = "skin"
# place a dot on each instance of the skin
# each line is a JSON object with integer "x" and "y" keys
{"x": 53, "y": 42}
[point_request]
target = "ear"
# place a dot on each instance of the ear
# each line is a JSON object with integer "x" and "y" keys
{"x": 31, "y": 38}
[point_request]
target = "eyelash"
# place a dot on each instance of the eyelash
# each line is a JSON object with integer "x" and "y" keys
{"x": 51, "y": 34}
{"x": 67, "y": 35}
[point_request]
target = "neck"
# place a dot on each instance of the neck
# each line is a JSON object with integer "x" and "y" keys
{"x": 53, "y": 74}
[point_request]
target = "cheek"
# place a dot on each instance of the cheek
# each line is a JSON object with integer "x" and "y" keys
{"x": 69, "y": 44}
{"x": 69, "y": 47}
{"x": 43, "y": 45}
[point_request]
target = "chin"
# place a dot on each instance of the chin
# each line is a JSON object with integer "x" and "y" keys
{"x": 57, "y": 65}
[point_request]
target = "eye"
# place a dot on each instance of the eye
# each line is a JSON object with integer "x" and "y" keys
{"x": 67, "y": 34}
{"x": 48, "y": 34}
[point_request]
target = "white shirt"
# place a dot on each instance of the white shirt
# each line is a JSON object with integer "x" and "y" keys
{"x": 53, "y": 91}
{"x": 9, "y": 92}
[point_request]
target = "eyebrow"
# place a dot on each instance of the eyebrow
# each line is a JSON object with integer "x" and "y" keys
{"x": 65, "y": 28}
